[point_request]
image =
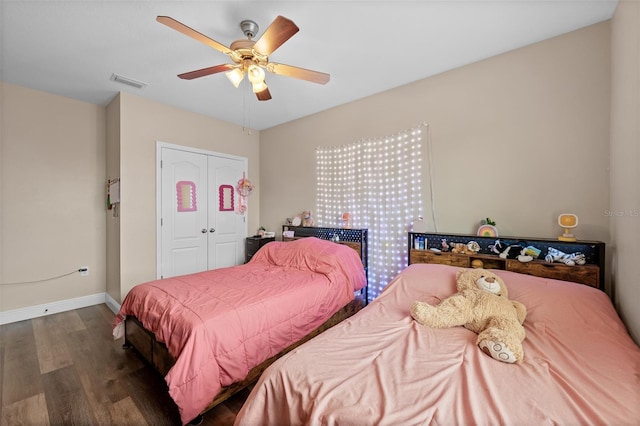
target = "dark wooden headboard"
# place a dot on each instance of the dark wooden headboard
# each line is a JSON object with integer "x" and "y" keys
{"x": 592, "y": 273}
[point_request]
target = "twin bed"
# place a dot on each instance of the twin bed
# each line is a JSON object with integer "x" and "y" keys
{"x": 379, "y": 366}
{"x": 382, "y": 367}
{"x": 212, "y": 333}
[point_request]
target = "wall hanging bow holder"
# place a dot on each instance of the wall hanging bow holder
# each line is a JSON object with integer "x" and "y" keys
{"x": 244, "y": 188}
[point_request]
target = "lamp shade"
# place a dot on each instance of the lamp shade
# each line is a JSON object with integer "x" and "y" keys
{"x": 568, "y": 220}
{"x": 235, "y": 76}
{"x": 255, "y": 74}
{"x": 259, "y": 86}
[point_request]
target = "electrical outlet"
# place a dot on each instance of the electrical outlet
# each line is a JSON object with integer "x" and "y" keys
{"x": 84, "y": 271}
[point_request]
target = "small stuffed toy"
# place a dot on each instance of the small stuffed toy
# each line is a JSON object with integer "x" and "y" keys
{"x": 471, "y": 247}
{"x": 482, "y": 306}
{"x": 555, "y": 255}
{"x": 506, "y": 252}
{"x": 307, "y": 218}
{"x": 459, "y": 248}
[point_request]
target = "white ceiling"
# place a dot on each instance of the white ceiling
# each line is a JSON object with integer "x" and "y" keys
{"x": 72, "y": 48}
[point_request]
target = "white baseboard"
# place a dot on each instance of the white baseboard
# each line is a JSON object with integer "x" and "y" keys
{"x": 31, "y": 312}
{"x": 111, "y": 303}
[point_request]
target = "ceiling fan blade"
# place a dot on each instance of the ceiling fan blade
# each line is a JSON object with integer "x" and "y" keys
{"x": 265, "y": 95}
{"x": 297, "y": 72}
{"x": 190, "y": 32}
{"x": 206, "y": 71}
{"x": 280, "y": 30}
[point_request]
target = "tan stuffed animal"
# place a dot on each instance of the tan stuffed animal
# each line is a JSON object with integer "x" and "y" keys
{"x": 459, "y": 248}
{"x": 482, "y": 306}
{"x": 307, "y": 218}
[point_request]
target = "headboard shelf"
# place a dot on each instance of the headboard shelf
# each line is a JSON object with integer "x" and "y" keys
{"x": 592, "y": 273}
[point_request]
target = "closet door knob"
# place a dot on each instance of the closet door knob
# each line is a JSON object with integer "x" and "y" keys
{"x": 204, "y": 230}
{"x": 212, "y": 230}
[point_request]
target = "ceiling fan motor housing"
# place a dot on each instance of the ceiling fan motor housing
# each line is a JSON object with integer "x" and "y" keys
{"x": 249, "y": 28}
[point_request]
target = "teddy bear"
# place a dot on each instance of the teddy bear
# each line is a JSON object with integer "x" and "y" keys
{"x": 481, "y": 305}
{"x": 307, "y": 218}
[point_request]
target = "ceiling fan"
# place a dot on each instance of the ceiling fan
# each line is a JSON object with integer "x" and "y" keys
{"x": 250, "y": 57}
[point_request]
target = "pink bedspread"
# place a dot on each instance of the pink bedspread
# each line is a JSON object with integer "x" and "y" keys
{"x": 381, "y": 367}
{"x": 221, "y": 323}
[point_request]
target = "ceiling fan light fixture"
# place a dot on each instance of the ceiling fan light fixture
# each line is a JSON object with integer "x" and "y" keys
{"x": 259, "y": 86}
{"x": 235, "y": 76}
{"x": 255, "y": 74}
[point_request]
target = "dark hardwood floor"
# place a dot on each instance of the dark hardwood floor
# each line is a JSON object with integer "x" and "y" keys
{"x": 66, "y": 369}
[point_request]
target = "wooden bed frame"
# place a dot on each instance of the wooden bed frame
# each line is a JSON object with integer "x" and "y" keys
{"x": 156, "y": 355}
{"x": 591, "y": 274}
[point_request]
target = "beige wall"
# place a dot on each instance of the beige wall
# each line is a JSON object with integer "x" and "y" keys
{"x": 52, "y": 177}
{"x": 625, "y": 155}
{"x": 519, "y": 137}
{"x": 112, "y": 217}
{"x": 56, "y": 156}
{"x": 142, "y": 124}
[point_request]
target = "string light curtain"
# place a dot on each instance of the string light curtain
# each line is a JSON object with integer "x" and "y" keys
{"x": 377, "y": 181}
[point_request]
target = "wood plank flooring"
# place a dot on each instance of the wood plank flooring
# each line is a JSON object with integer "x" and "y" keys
{"x": 66, "y": 369}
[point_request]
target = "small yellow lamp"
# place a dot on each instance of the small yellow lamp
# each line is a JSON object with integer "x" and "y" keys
{"x": 568, "y": 221}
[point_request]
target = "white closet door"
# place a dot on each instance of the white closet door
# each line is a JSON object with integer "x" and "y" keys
{"x": 184, "y": 230}
{"x": 200, "y": 227}
{"x": 226, "y": 243}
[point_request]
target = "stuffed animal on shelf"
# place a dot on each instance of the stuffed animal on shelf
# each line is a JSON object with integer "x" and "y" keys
{"x": 511, "y": 252}
{"x": 555, "y": 255}
{"x": 471, "y": 247}
{"x": 481, "y": 305}
{"x": 307, "y": 218}
{"x": 505, "y": 252}
{"x": 524, "y": 257}
{"x": 458, "y": 248}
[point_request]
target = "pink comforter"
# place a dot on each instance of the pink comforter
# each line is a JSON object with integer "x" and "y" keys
{"x": 221, "y": 323}
{"x": 381, "y": 367}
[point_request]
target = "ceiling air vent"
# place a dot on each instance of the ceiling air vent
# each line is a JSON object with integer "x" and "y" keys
{"x": 128, "y": 81}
